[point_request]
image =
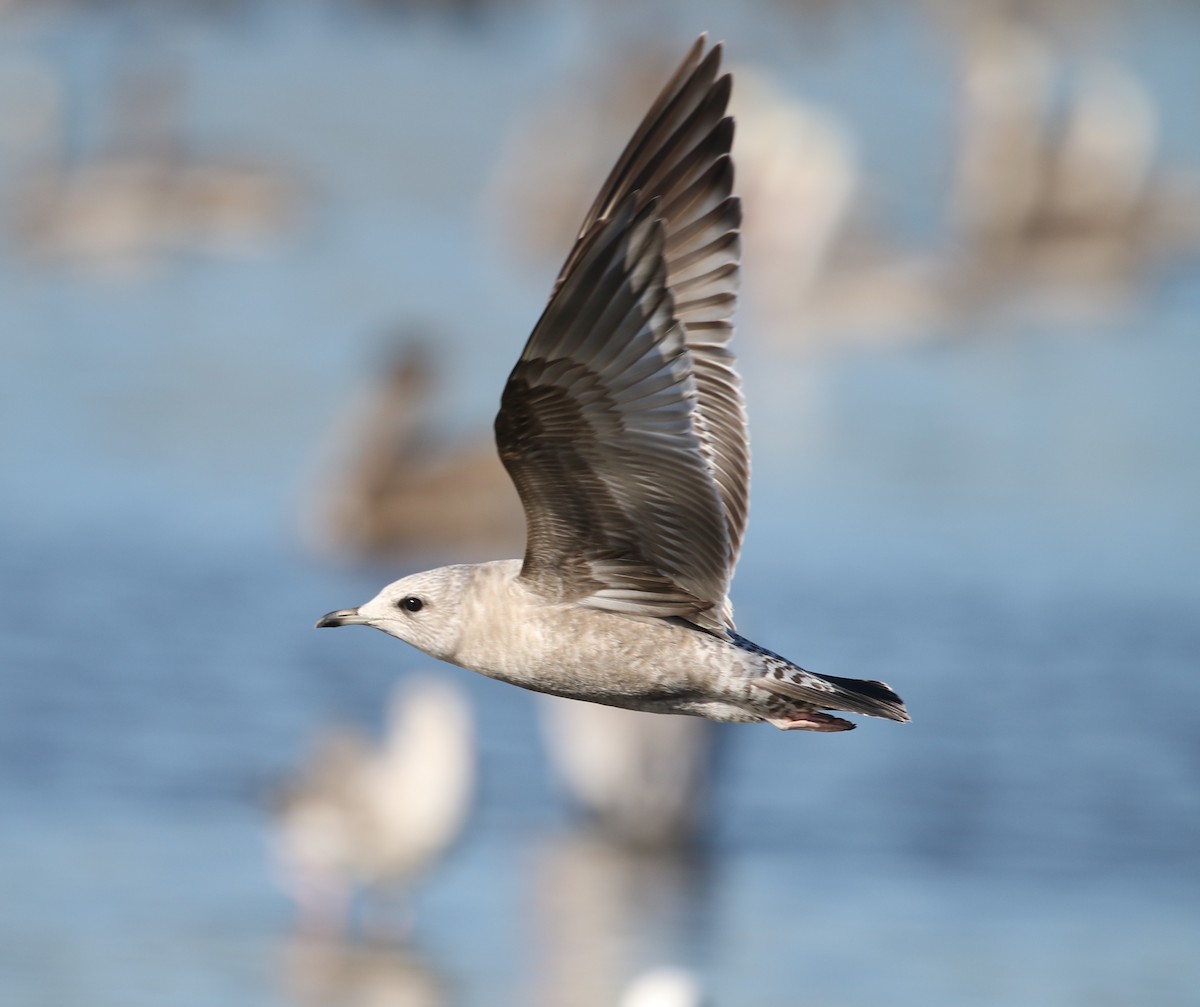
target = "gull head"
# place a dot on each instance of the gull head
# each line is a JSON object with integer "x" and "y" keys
{"x": 424, "y": 610}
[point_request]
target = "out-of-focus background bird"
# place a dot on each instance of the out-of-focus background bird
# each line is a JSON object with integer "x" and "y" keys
{"x": 369, "y": 819}
{"x": 638, "y": 782}
{"x": 388, "y": 486}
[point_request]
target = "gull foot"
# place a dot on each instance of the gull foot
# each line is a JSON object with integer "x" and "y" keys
{"x": 810, "y": 720}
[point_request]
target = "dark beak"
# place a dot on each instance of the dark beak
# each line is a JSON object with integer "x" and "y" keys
{"x": 342, "y": 617}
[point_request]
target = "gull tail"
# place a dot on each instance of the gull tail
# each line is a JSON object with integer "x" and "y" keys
{"x": 797, "y": 695}
{"x": 874, "y": 698}
{"x": 828, "y": 692}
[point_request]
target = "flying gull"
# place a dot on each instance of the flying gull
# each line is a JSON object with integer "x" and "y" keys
{"x": 624, "y": 430}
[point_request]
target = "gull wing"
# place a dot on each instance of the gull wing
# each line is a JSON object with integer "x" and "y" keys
{"x": 680, "y": 154}
{"x": 622, "y": 424}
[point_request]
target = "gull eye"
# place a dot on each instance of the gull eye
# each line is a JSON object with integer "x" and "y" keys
{"x": 411, "y": 603}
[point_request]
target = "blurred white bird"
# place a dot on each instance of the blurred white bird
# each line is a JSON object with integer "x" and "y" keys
{"x": 1068, "y": 198}
{"x": 642, "y": 780}
{"x": 363, "y": 819}
{"x": 663, "y": 987}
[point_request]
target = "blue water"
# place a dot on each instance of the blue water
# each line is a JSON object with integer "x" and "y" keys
{"x": 1000, "y": 520}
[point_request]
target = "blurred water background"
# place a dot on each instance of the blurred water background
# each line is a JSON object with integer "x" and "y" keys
{"x": 975, "y": 477}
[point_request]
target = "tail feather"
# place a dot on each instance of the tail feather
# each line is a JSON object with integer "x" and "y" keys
{"x": 828, "y": 692}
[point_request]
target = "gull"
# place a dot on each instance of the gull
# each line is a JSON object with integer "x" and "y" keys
{"x": 388, "y": 483}
{"x": 640, "y": 781}
{"x": 623, "y": 428}
{"x": 370, "y": 819}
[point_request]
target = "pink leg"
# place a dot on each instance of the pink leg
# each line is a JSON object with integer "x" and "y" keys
{"x": 810, "y": 720}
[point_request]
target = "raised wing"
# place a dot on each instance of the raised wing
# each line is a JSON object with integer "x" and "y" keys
{"x": 680, "y": 155}
{"x": 622, "y": 424}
